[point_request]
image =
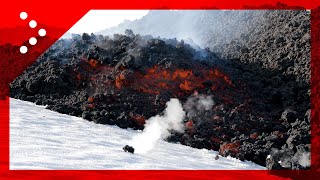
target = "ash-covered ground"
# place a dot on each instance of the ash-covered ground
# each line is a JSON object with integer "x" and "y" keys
{"x": 248, "y": 98}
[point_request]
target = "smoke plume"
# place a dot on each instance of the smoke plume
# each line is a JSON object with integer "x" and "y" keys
{"x": 198, "y": 104}
{"x": 159, "y": 127}
{"x": 287, "y": 157}
{"x": 304, "y": 159}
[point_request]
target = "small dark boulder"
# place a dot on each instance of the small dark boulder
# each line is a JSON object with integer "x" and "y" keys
{"x": 128, "y": 148}
{"x": 289, "y": 115}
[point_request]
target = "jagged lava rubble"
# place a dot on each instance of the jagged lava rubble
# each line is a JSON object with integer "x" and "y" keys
{"x": 258, "y": 86}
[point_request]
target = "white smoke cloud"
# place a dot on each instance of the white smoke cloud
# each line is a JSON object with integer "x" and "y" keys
{"x": 304, "y": 159}
{"x": 286, "y": 158}
{"x": 158, "y": 127}
{"x": 197, "y": 104}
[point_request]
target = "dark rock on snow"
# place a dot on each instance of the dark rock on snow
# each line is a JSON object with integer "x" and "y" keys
{"x": 128, "y": 148}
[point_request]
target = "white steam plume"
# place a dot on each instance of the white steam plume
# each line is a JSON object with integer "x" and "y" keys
{"x": 304, "y": 159}
{"x": 158, "y": 127}
{"x": 197, "y": 104}
{"x": 286, "y": 158}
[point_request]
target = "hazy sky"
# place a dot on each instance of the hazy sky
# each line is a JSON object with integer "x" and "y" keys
{"x": 97, "y": 20}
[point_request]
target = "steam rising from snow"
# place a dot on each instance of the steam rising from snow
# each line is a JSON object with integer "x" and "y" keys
{"x": 159, "y": 126}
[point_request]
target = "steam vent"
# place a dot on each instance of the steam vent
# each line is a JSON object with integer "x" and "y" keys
{"x": 257, "y": 81}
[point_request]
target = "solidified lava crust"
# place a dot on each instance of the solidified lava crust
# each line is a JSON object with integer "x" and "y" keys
{"x": 259, "y": 84}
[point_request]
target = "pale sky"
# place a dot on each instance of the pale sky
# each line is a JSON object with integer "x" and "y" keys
{"x": 97, "y": 20}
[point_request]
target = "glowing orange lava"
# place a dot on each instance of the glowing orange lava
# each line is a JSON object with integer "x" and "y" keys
{"x": 158, "y": 79}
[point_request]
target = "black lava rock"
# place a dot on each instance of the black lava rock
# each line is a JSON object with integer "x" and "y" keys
{"x": 128, "y": 148}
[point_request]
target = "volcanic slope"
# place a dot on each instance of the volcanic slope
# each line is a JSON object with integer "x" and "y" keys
{"x": 43, "y": 139}
{"x": 127, "y": 79}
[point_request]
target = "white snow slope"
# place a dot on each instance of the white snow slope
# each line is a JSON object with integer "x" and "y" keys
{"x": 43, "y": 139}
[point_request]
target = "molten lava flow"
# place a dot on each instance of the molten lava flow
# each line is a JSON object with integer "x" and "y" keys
{"x": 139, "y": 119}
{"x": 219, "y": 74}
{"x": 90, "y": 106}
{"x": 78, "y": 77}
{"x": 182, "y": 73}
{"x": 90, "y": 99}
{"x": 156, "y": 79}
{"x": 186, "y": 86}
{"x": 229, "y": 148}
{"x": 176, "y": 80}
{"x": 189, "y": 124}
{"x": 120, "y": 80}
{"x": 93, "y": 63}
